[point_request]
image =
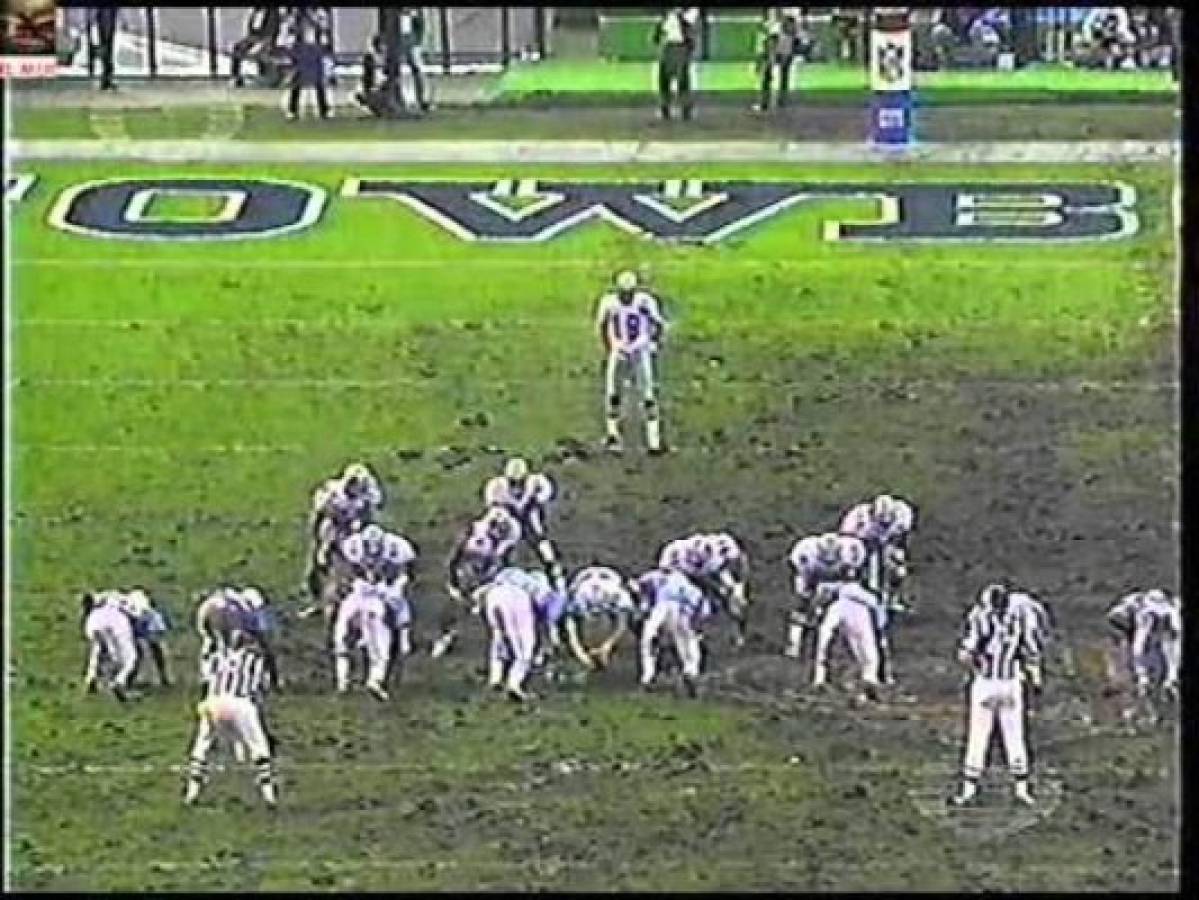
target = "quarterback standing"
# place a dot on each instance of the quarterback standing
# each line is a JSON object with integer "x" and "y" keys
{"x": 630, "y": 326}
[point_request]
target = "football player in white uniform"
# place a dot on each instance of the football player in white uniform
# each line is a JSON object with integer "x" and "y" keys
{"x": 884, "y": 526}
{"x": 340, "y": 507}
{"x": 527, "y": 495}
{"x": 717, "y": 565}
{"x": 859, "y": 613}
{"x": 599, "y": 592}
{"x": 229, "y": 611}
{"x": 817, "y": 559}
{"x": 388, "y": 560}
{"x": 630, "y": 327}
{"x": 677, "y": 608}
{"x": 109, "y": 634}
{"x": 1147, "y": 641}
{"x": 478, "y": 556}
{"x": 150, "y": 626}
{"x": 362, "y": 623}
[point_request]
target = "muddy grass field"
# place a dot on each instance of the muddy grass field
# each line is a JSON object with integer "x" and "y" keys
{"x": 170, "y": 427}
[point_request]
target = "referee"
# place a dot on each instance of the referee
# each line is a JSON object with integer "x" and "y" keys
{"x": 1000, "y": 648}
{"x": 234, "y": 681}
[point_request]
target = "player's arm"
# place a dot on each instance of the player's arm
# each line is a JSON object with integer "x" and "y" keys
{"x": 657, "y": 322}
{"x": 971, "y": 637}
{"x": 576, "y": 645}
{"x": 603, "y": 653}
{"x": 602, "y": 315}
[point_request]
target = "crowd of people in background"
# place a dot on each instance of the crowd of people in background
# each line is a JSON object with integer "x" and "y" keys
{"x": 1107, "y": 37}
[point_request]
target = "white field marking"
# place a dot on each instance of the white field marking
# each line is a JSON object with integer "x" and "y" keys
{"x": 949, "y": 770}
{"x": 973, "y": 260}
{"x": 1049, "y": 386}
{"x": 449, "y": 152}
{"x": 539, "y": 865}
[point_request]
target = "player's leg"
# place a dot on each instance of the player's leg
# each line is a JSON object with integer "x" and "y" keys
{"x": 378, "y": 650}
{"x": 686, "y": 644}
{"x": 644, "y": 367}
{"x": 612, "y": 377}
{"x": 1171, "y": 651}
{"x": 124, "y": 653}
{"x": 866, "y": 651}
{"x": 197, "y": 763}
{"x": 978, "y": 738}
{"x": 649, "y": 634}
{"x": 798, "y": 619}
{"x": 341, "y": 648}
{"x": 94, "y": 653}
{"x": 249, "y": 730}
{"x": 520, "y": 625}
{"x": 1011, "y": 728}
{"x": 829, "y": 625}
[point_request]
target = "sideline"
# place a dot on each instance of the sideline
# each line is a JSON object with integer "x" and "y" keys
{"x": 583, "y": 152}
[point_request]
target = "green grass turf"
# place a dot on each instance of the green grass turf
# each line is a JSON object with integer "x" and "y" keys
{"x": 570, "y": 78}
{"x": 175, "y": 406}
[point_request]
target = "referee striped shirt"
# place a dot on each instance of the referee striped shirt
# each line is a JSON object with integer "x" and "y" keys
{"x": 1000, "y": 644}
{"x": 235, "y": 673}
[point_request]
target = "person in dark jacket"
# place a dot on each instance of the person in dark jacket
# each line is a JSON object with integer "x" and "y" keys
{"x": 104, "y": 23}
{"x": 779, "y": 42}
{"x": 262, "y": 33}
{"x": 675, "y": 36}
{"x": 308, "y": 71}
{"x": 411, "y": 35}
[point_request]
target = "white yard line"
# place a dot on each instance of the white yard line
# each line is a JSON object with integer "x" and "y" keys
{"x": 448, "y": 152}
{"x": 1053, "y": 386}
{"x": 593, "y": 264}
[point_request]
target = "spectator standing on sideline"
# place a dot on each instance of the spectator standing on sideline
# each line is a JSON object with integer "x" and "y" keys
{"x": 411, "y": 35}
{"x": 262, "y": 32}
{"x": 779, "y": 42}
{"x": 675, "y": 36}
{"x": 104, "y": 25}
{"x": 308, "y": 71}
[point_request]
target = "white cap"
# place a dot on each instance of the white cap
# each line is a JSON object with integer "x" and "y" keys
{"x": 253, "y": 598}
{"x": 516, "y": 469}
{"x": 626, "y": 280}
{"x": 372, "y": 532}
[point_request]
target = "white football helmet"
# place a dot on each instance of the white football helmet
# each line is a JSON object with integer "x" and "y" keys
{"x": 828, "y": 546}
{"x": 253, "y": 598}
{"x": 1156, "y": 595}
{"x": 626, "y": 280}
{"x": 516, "y": 469}
{"x": 884, "y": 509}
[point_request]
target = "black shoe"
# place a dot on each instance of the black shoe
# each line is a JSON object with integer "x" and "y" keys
{"x": 613, "y": 444}
{"x": 657, "y": 451}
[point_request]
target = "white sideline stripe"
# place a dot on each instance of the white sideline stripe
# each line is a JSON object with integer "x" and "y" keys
{"x": 1041, "y": 385}
{"x": 448, "y": 152}
{"x": 538, "y": 866}
{"x": 950, "y": 770}
{"x": 907, "y": 259}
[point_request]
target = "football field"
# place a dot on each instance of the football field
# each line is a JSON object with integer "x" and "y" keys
{"x": 176, "y": 401}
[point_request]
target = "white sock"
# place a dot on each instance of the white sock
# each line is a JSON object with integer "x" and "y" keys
{"x": 342, "y": 670}
{"x": 614, "y": 428}
{"x": 794, "y": 640}
{"x": 653, "y": 436}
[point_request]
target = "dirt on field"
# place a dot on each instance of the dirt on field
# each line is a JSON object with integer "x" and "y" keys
{"x": 1070, "y": 488}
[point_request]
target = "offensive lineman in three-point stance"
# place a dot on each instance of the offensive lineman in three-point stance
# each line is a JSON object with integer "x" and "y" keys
{"x": 630, "y": 327}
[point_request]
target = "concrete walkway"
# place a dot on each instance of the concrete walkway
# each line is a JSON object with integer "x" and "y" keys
{"x": 567, "y": 151}
{"x": 454, "y": 90}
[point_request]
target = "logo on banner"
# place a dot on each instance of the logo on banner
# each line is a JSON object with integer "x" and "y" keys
{"x": 892, "y": 62}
